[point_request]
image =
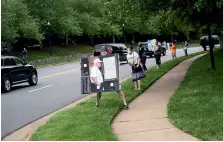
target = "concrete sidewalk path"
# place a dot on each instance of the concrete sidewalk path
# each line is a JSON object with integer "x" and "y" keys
{"x": 147, "y": 119}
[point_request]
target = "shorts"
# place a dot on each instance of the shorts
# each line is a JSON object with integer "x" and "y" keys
{"x": 158, "y": 60}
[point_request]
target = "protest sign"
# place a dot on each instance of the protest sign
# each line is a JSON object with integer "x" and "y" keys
{"x": 100, "y": 74}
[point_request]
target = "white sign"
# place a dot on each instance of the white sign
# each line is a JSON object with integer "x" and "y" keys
{"x": 109, "y": 68}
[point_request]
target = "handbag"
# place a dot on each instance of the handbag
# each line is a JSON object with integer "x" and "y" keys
{"x": 138, "y": 69}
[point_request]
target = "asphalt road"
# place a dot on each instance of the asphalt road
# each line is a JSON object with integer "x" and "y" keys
{"x": 58, "y": 86}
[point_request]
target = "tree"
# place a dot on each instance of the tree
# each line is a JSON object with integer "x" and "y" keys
{"x": 60, "y": 14}
{"x": 17, "y": 22}
{"x": 202, "y": 11}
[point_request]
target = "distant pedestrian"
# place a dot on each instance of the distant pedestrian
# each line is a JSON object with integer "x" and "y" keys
{"x": 173, "y": 50}
{"x": 185, "y": 48}
{"x": 137, "y": 70}
{"x": 157, "y": 54}
{"x": 24, "y": 53}
{"x": 142, "y": 55}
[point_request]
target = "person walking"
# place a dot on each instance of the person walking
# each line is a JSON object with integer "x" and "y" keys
{"x": 157, "y": 54}
{"x": 24, "y": 53}
{"x": 185, "y": 48}
{"x": 142, "y": 55}
{"x": 97, "y": 81}
{"x": 173, "y": 50}
{"x": 137, "y": 70}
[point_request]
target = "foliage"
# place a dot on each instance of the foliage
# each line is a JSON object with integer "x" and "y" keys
{"x": 30, "y": 18}
{"x": 17, "y": 21}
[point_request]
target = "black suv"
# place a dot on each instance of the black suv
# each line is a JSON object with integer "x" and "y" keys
{"x": 119, "y": 48}
{"x": 15, "y": 71}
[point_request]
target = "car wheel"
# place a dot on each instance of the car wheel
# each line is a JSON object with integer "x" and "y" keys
{"x": 33, "y": 79}
{"x": 6, "y": 86}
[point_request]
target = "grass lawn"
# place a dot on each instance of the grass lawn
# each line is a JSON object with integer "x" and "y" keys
{"x": 59, "y": 51}
{"x": 197, "y": 105}
{"x": 86, "y": 122}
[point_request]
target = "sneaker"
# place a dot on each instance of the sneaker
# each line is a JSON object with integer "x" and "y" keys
{"x": 126, "y": 107}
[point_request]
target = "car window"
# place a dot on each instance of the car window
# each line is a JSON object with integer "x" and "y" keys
{"x": 9, "y": 62}
{"x": 18, "y": 62}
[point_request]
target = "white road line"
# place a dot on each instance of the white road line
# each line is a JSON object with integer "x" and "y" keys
{"x": 40, "y": 88}
{"x": 57, "y": 74}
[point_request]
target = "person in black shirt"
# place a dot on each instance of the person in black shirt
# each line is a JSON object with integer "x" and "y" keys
{"x": 157, "y": 54}
{"x": 142, "y": 55}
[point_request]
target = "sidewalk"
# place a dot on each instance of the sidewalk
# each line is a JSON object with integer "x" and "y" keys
{"x": 147, "y": 119}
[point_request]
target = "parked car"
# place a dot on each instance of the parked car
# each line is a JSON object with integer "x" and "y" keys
{"x": 150, "y": 53}
{"x": 114, "y": 48}
{"x": 14, "y": 71}
{"x": 215, "y": 40}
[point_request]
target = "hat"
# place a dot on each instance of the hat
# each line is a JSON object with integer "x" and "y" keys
{"x": 97, "y": 61}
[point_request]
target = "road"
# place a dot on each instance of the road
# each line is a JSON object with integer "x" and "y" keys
{"x": 58, "y": 86}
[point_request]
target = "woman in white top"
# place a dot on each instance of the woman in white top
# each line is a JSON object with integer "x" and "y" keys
{"x": 137, "y": 70}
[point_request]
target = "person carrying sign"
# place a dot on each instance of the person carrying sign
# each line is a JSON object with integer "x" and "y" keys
{"x": 97, "y": 81}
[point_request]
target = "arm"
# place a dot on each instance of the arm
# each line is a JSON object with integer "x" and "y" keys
{"x": 139, "y": 60}
{"x": 94, "y": 79}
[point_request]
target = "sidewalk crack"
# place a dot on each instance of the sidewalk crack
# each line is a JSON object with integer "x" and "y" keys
{"x": 121, "y": 121}
{"x": 146, "y": 131}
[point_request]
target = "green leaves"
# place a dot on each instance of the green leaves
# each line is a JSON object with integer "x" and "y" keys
{"x": 17, "y": 21}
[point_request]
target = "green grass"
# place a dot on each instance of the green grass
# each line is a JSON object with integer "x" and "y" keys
{"x": 59, "y": 51}
{"x": 57, "y": 63}
{"x": 197, "y": 105}
{"x": 85, "y": 122}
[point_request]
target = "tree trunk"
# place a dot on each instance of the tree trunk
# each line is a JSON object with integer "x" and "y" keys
{"x": 188, "y": 37}
{"x": 211, "y": 46}
{"x": 92, "y": 40}
{"x": 113, "y": 38}
{"x": 67, "y": 39}
{"x": 133, "y": 36}
{"x": 41, "y": 44}
{"x": 221, "y": 43}
{"x": 124, "y": 37}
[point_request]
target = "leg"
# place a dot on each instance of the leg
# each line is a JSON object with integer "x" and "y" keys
{"x": 136, "y": 85}
{"x": 122, "y": 96}
{"x": 139, "y": 84}
{"x": 144, "y": 65}
{"x": 159, "y": 61}
{"x": 98, "y": 98}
